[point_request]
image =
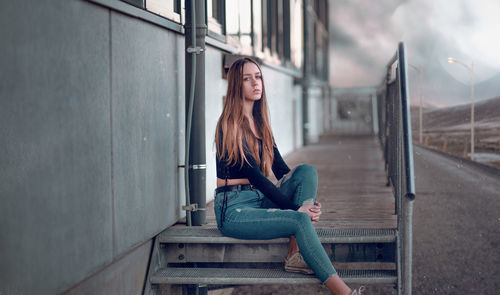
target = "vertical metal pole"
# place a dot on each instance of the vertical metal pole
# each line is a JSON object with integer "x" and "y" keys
{"x": 472, "y": 112}
{"x": 305, "y": 113}
{"x": 330, "y": 108}
{"x": 306, "y": 72}
{"x": 420, "y": 108}
{"x": 326, "y": 119}
{"x": 197, "y": 155}
{"x": 397, "y": 177}
{"x": 408, "y": 243}
{"x": 195, "y": 165}
{"x": 407, "y": 158}
{"x": 374, "y": 114}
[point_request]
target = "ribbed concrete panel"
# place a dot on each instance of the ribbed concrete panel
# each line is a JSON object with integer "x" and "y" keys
{"x": 55, "y": 187}
{"x": 144, "y": 116}
{"x": 124, "y": 276}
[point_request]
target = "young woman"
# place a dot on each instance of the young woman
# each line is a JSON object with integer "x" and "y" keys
{"x": 247, "y": 204}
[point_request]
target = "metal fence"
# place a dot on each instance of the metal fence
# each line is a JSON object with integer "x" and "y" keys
{"x": 395, "y": 137}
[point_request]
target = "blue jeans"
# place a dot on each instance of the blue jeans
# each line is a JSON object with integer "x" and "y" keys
{"x": 251, "y": 215}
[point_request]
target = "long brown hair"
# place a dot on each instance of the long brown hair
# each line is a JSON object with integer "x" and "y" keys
{"x": 233, "y": 136}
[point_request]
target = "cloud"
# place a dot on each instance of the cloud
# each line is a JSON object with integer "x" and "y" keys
{"x": 365, "y": 34}
{"x": 436, "y": 29}
{"x": 361, "y": 43}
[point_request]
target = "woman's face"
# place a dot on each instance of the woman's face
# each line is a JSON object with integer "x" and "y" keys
{"x": 252, "y": 82}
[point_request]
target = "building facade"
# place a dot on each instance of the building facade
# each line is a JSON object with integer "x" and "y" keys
{"x": 93, "y": 116}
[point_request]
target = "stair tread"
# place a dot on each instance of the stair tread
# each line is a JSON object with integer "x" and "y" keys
{"x": 211, "y": 235}
{"x": 236, "y": 276}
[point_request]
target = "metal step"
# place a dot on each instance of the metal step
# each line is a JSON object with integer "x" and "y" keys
{"x": 240, "y": 276}
{"x": 233, "y": 253}
{"x": 210, "y": 235}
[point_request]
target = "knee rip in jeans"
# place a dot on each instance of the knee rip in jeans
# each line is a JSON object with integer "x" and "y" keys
{"x": 238, "y": 210}
{"x": 308, "y": 202}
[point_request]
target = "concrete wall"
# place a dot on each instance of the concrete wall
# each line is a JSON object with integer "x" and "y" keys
{"x": 124, "y": 276}
{"x": 215, "y": 89}
{"x": 89, "y": 115}
{"x": 92, "y": 110}
{"x": 286, "y": 118}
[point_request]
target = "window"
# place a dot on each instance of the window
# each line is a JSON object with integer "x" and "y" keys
{"x": 286, "y": 29}
{"x": 296, "y": 31}
{"x": 170, "y": 9}
{"x": 276, "y": 29}
{"x": 257, "y": 27}
{"x": 270, "y": 30}
{"x": 319, "y": 56}
{"x": 239, "y": 25}
{"x": 216, "y": 19}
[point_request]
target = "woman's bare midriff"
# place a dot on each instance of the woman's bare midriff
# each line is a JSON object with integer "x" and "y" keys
{"x": 222, "y": 182}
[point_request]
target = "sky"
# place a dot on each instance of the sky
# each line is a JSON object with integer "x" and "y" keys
{"x": 364, "y": 35}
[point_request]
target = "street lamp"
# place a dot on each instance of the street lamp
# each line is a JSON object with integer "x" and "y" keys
{"x": 419, "y": 71}
{"x": 452, "y": 60}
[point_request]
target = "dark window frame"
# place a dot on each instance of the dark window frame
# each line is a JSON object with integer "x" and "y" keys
{"x": 276, "y": 29}
{"x": 136, "y": 3}
{"x": 216, "y": 19}
{"x": 287, "y": 31}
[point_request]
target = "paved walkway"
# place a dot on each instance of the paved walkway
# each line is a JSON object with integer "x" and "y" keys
{"x": 352, "y": 181}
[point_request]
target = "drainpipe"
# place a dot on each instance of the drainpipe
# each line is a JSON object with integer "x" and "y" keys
{"x": 195, "y": 169}
{"x": 306, "y": 79}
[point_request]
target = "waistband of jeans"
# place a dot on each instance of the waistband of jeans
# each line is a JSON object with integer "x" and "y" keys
{"x": 234, "y": 188}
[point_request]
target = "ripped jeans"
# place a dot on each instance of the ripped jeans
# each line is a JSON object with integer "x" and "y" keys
{"x": 251, "y": 215}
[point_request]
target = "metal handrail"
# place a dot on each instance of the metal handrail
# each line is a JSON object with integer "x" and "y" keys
{"x": 395, "y": 138}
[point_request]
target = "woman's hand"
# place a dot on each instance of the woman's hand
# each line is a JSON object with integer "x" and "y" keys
{"x": 313, "y": 211}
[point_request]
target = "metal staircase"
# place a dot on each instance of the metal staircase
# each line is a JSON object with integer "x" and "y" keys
{"x": 187, "y": 258}
{"x": 202, "y": 256}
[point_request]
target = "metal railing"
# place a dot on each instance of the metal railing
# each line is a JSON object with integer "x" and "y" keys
{"x": 395, "y": 138}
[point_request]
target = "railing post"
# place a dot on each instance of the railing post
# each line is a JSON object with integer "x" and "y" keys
{"x": 407, "y": 209}
{"x": 398, "y": 149}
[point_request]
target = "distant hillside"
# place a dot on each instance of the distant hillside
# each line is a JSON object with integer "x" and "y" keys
{"x": 448, "y": 129}
{"x": 444, "y": 118}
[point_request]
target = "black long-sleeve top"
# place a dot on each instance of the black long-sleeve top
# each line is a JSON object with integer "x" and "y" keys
{"x": 252, "y": 172}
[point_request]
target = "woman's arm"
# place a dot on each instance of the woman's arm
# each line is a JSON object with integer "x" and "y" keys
{"x": 257, "y": 179}
{"x": 279, "y": 166}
